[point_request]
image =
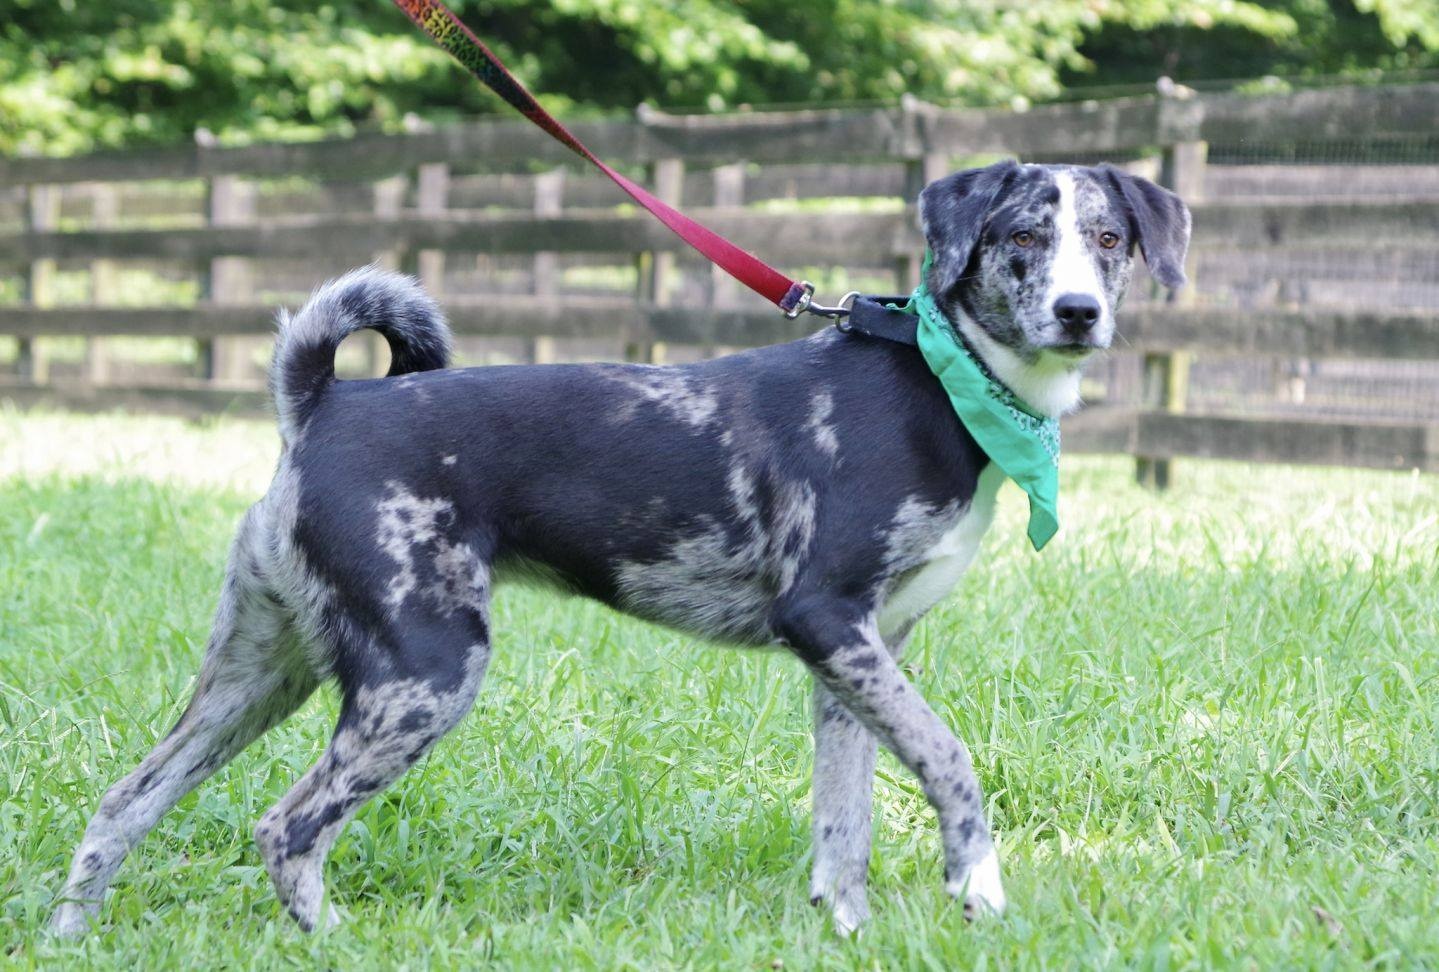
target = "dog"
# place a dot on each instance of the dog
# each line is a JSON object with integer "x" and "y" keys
{"x": 819, "y": 495}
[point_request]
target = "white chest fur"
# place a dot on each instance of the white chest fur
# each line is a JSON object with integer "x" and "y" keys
{"x": 944, "y": 563}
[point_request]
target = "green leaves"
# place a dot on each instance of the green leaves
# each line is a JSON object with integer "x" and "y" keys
{"x": 1406, "y": 20}
{"x": 78, "y": 76}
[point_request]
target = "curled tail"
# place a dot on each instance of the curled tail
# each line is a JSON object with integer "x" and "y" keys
{"x": 391, "y": 303}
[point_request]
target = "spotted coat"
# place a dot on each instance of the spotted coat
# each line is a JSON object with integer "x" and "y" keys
{"x": 818, "y": 495}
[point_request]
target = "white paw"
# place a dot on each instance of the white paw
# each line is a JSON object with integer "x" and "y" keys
{"x": 849, "y": 917}
{"x": 981, "y": 889}
{"x": 848, "y": 906}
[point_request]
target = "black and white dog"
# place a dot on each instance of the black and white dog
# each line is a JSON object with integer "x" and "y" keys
{"x": 819, "y": 495}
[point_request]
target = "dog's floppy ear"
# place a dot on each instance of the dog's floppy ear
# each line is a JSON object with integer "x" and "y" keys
{"x": 1160, "y": 221}
{"x": 952, "y": 212}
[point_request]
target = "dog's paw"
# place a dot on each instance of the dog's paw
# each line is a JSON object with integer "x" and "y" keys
{"x": 332, "y": 918}
{"x": 981, "y": 888}
{"x": 71, "y": 920}
{"x": 849, "y": 912}
{"x": 848, "y": 908}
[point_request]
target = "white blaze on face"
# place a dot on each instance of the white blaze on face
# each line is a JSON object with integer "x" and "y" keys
{"x": 1073, "y": 270}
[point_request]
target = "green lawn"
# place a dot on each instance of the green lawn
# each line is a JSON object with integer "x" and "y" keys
{"x": 1207, "y": 723}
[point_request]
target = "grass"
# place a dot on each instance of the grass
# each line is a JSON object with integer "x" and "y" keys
{"x": 1206, "y": 723}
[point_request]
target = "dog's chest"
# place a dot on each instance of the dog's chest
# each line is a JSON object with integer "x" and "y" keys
{"x": 935, "y": 563}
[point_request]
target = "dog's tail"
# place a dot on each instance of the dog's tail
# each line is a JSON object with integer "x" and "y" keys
{"x": 393, "y": 304}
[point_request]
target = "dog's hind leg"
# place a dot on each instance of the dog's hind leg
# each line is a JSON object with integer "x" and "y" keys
{"x": 840, "y": 644}
{"x": 389, "y": 718}
{"x": 254, "y": 674}
{"x": 843, "y": 798}
{"x": 842, "y": 795}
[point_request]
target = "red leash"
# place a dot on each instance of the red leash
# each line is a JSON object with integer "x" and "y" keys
{"x": 434, "y": 18}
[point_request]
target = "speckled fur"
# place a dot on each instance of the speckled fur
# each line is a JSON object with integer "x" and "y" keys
{"x": 818, "y": 495}
{"x": 1001, "y": 295}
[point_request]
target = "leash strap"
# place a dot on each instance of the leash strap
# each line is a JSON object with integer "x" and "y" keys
{"x": 446, "y": 30}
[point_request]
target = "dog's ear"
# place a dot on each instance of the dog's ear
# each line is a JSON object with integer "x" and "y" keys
{"x": 1160, "y": 222}
{"x": 952, "y": 213}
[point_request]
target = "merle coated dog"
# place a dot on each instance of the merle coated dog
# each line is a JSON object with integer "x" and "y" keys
{"x": 820, "y": 495}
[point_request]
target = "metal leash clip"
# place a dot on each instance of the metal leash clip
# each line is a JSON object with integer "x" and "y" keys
{"x": 803, "y": 304}
{"x": 807, "y": 304}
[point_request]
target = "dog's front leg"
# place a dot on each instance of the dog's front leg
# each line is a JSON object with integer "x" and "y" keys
{"x": 841, "y": 645}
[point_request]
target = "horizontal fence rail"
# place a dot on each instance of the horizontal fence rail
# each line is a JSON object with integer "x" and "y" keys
{"x": 137, "y": 202}
{"x": 1314, "y": 281}
{"x": 815, "y": 237}
{"x": 909, "y": 131}
{"x": 1398, "y": 335}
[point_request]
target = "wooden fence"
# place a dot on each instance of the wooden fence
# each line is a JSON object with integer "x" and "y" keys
{"x": 489, "y": 217}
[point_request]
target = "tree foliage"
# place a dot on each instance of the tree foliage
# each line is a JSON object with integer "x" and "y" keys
{"x": 81, "y": 74}
{"x": 1322, "y": 38}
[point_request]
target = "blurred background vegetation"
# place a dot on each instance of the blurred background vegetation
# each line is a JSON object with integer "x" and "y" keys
{"x": 77, "y": 75}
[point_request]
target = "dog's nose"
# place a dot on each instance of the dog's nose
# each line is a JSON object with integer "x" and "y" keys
{"x": 1076, "y": 313}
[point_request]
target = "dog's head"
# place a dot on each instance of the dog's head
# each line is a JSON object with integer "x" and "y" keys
{"x": 1038, "y": 257}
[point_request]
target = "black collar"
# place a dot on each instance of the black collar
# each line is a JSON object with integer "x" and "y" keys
{"x": 871, "y": 317}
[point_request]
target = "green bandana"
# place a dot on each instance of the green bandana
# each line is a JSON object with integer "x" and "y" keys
{"x": 1023, "y": 445}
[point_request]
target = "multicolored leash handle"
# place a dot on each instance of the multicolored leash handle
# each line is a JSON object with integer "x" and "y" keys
{"x": 791, "y": 296}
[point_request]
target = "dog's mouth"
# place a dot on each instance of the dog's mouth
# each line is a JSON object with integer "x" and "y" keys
{"x": 1075, "y": 350}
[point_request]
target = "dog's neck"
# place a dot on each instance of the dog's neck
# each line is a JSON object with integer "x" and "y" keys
{"x": 1048, "y": 385}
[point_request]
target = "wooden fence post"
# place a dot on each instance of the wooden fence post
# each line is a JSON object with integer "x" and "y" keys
{"x": 432, "y": 193}
{"x": 388, "y": 201}
{"x": 226, "y": 280}
{"x": 918, "y": 173}
{"x": 657, "y": 270}
{"x": 1182, "y": 169}
{"x": 549, "y": 201}
{"x": 1166, "y": 374}
{"x": 103, "y": 285}
{"x": 728, "y": 193}
{"x": 545, "y": 267}
{"x": 1165, "y": 387}
{"x": 43, "y": 215}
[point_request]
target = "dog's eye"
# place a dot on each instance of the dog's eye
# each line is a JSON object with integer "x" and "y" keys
{"x": 1023, "y": 238}
{"x": 1109, "y": 240}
